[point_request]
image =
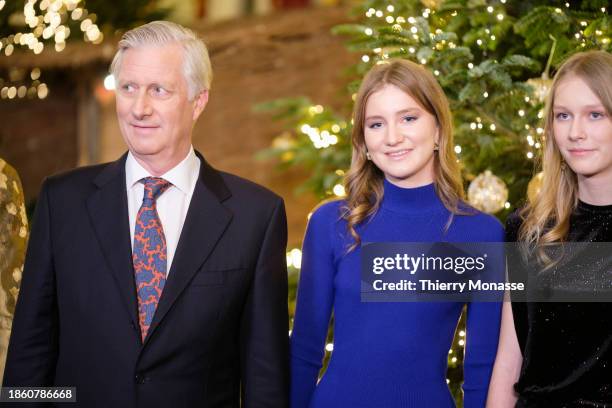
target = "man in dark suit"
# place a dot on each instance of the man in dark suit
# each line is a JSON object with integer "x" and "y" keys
{"x": 155, "y": 281}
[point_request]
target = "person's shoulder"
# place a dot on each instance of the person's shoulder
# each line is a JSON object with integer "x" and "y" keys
{"x": 488, "y": 220}
{"x": 79, "y": 177}
{"x": 251, "y": 192}
{"x": 514, "y": 220}
{"x": 513, "y": 225}
{"x": 8, "y": 171}
{"x": 487, "y": 226}
{"x": 326, "y": 221}
{"x": 10, "y": 184}
{"x": 328, "y": 211}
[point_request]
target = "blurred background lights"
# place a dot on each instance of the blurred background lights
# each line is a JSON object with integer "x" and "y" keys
{"x": 109, "y": 82}
{"x": 294, "y": 258}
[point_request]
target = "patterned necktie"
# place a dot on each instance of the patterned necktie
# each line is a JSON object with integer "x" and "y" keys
{"x": 149, "y": 253}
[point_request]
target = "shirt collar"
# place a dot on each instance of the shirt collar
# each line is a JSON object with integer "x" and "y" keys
{"x": 182, "y": 176}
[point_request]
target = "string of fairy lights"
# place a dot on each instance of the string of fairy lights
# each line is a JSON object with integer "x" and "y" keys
{"x": 43, "y": 23}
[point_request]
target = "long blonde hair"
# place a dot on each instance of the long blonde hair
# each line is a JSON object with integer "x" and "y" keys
{"x": 546, "y": 218}
{"x": 364, "y": 181}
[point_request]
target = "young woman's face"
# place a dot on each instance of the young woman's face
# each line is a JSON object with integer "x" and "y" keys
{"x": 400, "y": 137}
{"x": 583, "y": 130}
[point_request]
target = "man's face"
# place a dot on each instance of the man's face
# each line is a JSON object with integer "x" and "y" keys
{"x": 155, "y": 115}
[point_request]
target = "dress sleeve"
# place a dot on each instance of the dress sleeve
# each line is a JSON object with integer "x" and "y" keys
{"x": 13, "y": 239}
{"x": 314, "y": 304}
{"x": 33, "y": 347}
{"x": 482, "y": 335}
{"x": 517, "y": 273}
{"x": 263, "y": 340}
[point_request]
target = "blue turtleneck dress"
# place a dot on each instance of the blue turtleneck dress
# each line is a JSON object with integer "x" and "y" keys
{"x": 386, "y": 355}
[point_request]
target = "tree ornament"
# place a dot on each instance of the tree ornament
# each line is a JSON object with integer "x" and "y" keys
{"x": 534, "y": 186}
{"x": 541, "y": 86}
{"x": 488, "y": 192}
{"x": 432, "y": 4}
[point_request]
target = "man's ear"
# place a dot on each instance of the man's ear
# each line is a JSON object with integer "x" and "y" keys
{"x": 199, "y": 104}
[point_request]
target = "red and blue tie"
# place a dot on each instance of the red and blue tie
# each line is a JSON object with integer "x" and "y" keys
{"x": 149, "y": 253}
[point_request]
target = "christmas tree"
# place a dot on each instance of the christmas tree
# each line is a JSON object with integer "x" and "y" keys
{"x": 494, "y": 60}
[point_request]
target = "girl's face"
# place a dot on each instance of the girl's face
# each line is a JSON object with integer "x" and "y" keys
{"x": 583, "y": 130}
{"x": 400, "y": 136}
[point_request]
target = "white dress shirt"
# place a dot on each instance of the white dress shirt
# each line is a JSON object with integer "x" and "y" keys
{"x": 172, "y": 205}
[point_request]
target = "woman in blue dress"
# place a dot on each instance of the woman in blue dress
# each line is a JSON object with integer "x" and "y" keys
{"x": 404, "y": 185}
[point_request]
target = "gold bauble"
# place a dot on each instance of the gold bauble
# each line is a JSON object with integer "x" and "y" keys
{"x": 284, "y": 141}
{"x": 488, "y": 193}
{"x": 432, "y": 4}
{"x": 541, "y": 87}
{"x": 534, "y": 186}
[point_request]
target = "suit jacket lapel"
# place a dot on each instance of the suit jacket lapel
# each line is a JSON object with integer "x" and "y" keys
{"x": 205, "y": 223}
{"x": 108, "y": 211}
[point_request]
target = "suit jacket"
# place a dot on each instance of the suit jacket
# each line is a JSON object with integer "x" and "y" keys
{"x": 219, "y": 337}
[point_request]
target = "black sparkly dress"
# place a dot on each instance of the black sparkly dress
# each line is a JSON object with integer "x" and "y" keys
{"x": 567, "y": 346}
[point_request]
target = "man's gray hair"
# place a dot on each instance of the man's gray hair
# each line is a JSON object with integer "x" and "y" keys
{"x": 196, "y": 63}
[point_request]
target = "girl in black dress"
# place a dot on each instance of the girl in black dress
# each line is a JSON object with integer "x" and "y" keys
{"x": 559, "y": 354}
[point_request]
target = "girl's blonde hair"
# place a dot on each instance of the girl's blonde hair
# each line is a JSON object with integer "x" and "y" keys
{"x": 546, "y": 217}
